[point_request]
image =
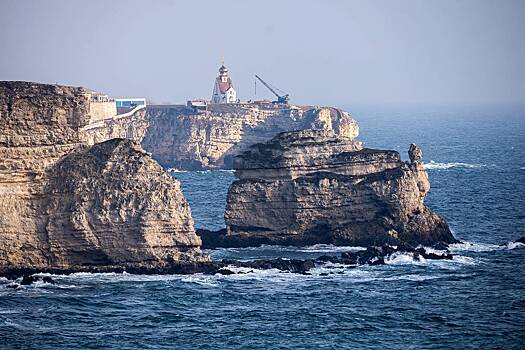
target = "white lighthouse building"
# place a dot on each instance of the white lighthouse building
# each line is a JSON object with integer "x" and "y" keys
{"x": 223, "y": 91}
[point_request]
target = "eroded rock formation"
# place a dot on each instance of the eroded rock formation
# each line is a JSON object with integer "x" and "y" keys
{"x": 178, "y": 137}
{"x": 308, "y": 187}
{"x": 63, "y": 203}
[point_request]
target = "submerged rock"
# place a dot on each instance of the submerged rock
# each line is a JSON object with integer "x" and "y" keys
{"x": 307, "y": 187}
{"x": 66, "y": 205}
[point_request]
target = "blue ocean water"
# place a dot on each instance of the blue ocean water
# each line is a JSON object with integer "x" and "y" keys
{"x": 476, "y": 162}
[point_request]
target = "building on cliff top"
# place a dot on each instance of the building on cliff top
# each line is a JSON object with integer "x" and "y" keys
{"x": 223, "y": 91}
{"x": 130, "y": 102}
{"x": 102, "y": 107}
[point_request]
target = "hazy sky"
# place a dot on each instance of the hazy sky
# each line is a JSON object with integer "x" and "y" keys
{"x": 321, "y": 52}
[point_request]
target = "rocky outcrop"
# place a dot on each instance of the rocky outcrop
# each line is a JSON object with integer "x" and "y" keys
{"x": 181, "y": 138}
{"x": 111, "y": 203}
{"x": 65, "y": 204}
{"x": 310, "y": 187}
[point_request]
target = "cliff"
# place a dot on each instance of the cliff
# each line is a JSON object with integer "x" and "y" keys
{"x": 178, "y": 137}
{"x": 309, "y": 187}
{"x": 131, "y": 125}
{"x": 64, "y": 203}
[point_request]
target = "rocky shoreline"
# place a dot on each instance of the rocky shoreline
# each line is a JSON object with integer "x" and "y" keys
{"x": 68, "y": 205}
{"x": 375, "y": 255}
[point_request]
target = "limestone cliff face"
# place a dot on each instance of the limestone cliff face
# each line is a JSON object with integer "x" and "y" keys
{"x": 111, "y": 203}
{"x": 63, "y": 203}
{"x": 312, "y": 187}
{"x": 132, "y": 126}
{"x": 178, "y": 137}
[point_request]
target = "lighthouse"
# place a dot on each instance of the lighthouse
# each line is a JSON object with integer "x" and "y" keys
{"x": 223, "y": 91}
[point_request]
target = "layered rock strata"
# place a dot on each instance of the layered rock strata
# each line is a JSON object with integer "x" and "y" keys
{"x": 309, "y": 187}
{"x": 181, "y": 138}
{"x": 65, "y": 204}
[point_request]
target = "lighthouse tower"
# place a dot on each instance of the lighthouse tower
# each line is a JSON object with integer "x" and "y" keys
{"x": 223, "y": 91}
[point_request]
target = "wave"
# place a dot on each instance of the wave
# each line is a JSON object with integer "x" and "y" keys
{"x": 326, "y": 248}
{"x": 316, "y": 248}
{"x": 515, "y": 245}
{"x": 277, "y": 251}
{"x": 408, "y": 259}
{"x": 483, "y": 247}
{"x": 474, "y": 247}
{"x": 444, "y": 166}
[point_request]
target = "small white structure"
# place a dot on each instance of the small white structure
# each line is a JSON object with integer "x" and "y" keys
{"x": 223, "y": 91}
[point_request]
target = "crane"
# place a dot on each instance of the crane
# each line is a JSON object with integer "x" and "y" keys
{"x": 285, "y": 98}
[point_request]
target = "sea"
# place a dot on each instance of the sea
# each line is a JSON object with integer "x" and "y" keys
{"x": 475, "y": 158}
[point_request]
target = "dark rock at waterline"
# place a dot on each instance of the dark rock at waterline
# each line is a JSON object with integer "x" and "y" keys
{"x": 288, "y": 265}
{"x": 421, "y": 252}
{"x": 328, "y": 258}
{"x": 375, "y": 255}
{"x": 48, "y": 279}
{"x": 30, "y": 279}
{"x": 27, "y": 280}
{"x": 520, "y": 240}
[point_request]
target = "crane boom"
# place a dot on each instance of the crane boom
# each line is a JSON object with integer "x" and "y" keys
{"x": 280, "y": 98}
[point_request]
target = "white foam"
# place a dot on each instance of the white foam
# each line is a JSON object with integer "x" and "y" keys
{"x": 515, "y": 245}
{"x": 317, "y": 248}
{"x": 444, "y": 166}
{"x": 409, "y": 277}
{"x": 212, "y": 171}
{"x": 109, "y": 277}
{"x": 403, "y": 259}
{"x": 174, "y": 170}
{"x": 474, "y": 247}
{"x": 200, "y": 279}
{"x": 408, "y": 259}
{"x": 325, "y": 248}
{"x": 464, "y": 260}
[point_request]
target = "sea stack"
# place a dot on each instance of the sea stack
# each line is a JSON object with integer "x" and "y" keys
{"x": 65, "y": 204}
{"x": 313, "y": 186}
